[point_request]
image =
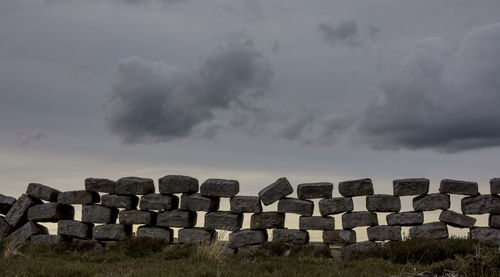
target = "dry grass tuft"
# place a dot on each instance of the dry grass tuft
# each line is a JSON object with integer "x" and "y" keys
{"x": 12, "y": 249}
{"x": 212, "y": 251}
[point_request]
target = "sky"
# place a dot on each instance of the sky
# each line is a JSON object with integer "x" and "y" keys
{"x": 249, "y": 90}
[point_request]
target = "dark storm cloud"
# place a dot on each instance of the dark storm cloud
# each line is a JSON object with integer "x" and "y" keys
{"x": 345, "y": 33}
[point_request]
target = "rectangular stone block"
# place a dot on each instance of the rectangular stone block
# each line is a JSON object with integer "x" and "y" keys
{"x": 156, "y": 232}
{"x": 267, "y": 220}
{"x": 314, "y": 190}
{"x": 128, "y": 202}
{"x": 405, "y": 218}
{"x": 5, "y": 228}
{"x": 100, "y": 185}
{"x": 134, "y": 186}
{"x": 431, "y": 202}
{"x": 339, "y": 237}
{"x": 296, "y": 206}
{"x": 486, "y": 235}
{"x": 129, "y": 217}
{"x": 5, "y": 203}
{"x": 316, "y": 223}
{"x": 360, "y": 187}
{"x": 383, "y": 203}
{"x": 73, "y": 228}
{"x": 196, "y": 235}
{"x": 357, "y": 219}
{"x": 78, "y": 197}
{"x": 176, "y": 218}
{"x": 196, "y": 202}
{"x": 115, "y": 232}
{"x": 220, "y": 188}
{"x": 246, "y": 237}
{"x": 434, "y": 230}
{"x": 458, "y": 187}
{"x": 178, "y": 184}
{"x": 50, "y": 212}
{"x": 480, "y": 204}
{"x": 17, "y": 213}
{"x": 223, "y": 221}
{"x": 245, "y": 204}
{"x": 335, "y": 205}
{"x": 42, "y": 192}
{"x": 47, "y": 240}
{"x": 99, "y": 214}
{"x": 354, "y": 250}
{"x": 159, "y": 202}
{"x": 410, "y": 186}
{"x": 457, "y": 220}
{"x": 494, "y": 220}
{"x": 383, "y": 233}
{"x": 290, "y": 236}
{"x": 27, "y": 230}
{"x": 275, "y": 191}
{"x": 495, "y": 186}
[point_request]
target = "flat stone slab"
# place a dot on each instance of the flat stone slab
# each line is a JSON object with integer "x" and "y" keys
{"x": 458, "y": 187}
{"x": 354, "y": 250}
{"x": 5, "y": 228}
{"x": 196, "y": 202}
{"x": 245, "y": 204}
{"x": 78, "y": 197}
{"x": 178, "y": 184}
{"x": 100, "y": 185}
{"x": 275, "y": 191}
{"x": 495, "y": 186}
{"x": 433, "y": 230}
{"x": 47, "y": 240}
{"x": 405, "y": 218}
{"x": 115, "y": 232}
{"x": 196, "y": 235}
{"x": 27, "y": 230}
{"x": 134, "y": 186}
{"x": 246, "y": 237}
{"x": 156, "y": 232}
{"x": 383, "y": 203}
{"x": 50, "y": 212}
{"x": 316, "y": 223}
{"x": 159, "y": 202}
{"x": 314, "y": 190}
{"x": 494, "y": 220}
{"x": 42, "y": 192}
{"x": 335, "y": 205}
{"x": 128, "y": 202}
{"x": 480, "y": 204}
{"x": 129, "y": 217}
{"x": 223, "y": 221}
{"x": 384, "y": 233}
{"x": 5, "y": 203}
{"x": 220, "y": 188}
{"x": 457, "y": 220}
{"x": 359, "y": 187}
{"x": 431, "y": 202}
{"x": 357, "y": 219}
{"x": 17, "y": 213}
{"x": 290, "y": 236}
{"x": 410, "y": 186}
{"x": 99, "y": 214}
{"x": 267, "y": 220}
{"x": 73, "y": 228}
{"x": 296, "y": 206}
{"x": 486, "y": 235}
{"x": 176, "y": 218}
{"x": 339, "y": 237}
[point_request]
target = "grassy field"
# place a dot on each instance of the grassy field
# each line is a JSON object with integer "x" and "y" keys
{"x": 139, "y": 257}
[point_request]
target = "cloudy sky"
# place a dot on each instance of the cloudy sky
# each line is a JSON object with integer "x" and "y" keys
{"x": 249, "y": 90}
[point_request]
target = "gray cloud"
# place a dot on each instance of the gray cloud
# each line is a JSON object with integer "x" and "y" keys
{"x": 345, "y": 33}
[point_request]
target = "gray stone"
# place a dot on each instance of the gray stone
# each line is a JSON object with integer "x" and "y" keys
{"x": 339, "y": 237}
{"x": 275, "y": 191}
{"x": 78, "y": 197}
{"x": 47, "y": 240}
{"x": 17, "y": 213}
{"x": 42, "y": 192}
{"x": 335, "y": 205}
{"x": 356, "y": 249}
{"x": 480, "y": 204}
{"x": 196, "y": 235}
{"x": 247, "y": 237}
{"x": 383, "y": 203}
{"x": 457, "y": 220}
{"x": 176, "y": 218}
{"x": 405, "y": 218}
{"x": 159, "y": 202}
{"x": 290, "y": 236}
{"x": 178, "y": 184}
{"x": 458, "y": 187}
{"x": 431, "y": 202}
{"x": 196, "y": 202}
{"x": 316, "y": 223}
{"x": 383, "y": 233}
{"x": 296, "y": 206}
{"x": 129, "y": 217}
{"x": 73, "y": 228}
{"x": 494, "y": 220}
{"x": 410, "y": 186}
{"x": 358, "y": 219}
{"x": 486, "y": 235}
{"x": 134, "y": 186}
{"x": 100, "y": 185}
{"x": 27, "y": 230}
{"x": 223, "y": 221}
{"x": 220, "y": 188}
{"x": 112, "y": 232}
{"x": 128, "y": 202}
{"x": 50, "y": 212}
{"x": 267, "y": 220}
{"x": 245, "y": 204}
{"x": 229, "y": 251}
{"x": 359, "y": 187}
{"x": 156, "y": 232}
{"x": 5, "y": 228}
{"x": 314, "y": 190}
{"x": 99, "y": 214}
{"x": 495, "y": 186}
{"x": 5, "y": 203}
{"x": 87, "y": 244}
{"x": 433, "y": 230}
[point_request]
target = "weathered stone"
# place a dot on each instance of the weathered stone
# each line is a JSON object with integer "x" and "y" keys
{"x": 275, "y": 191}
{"x": 339, "y": 237}
{"x": 196, "y": 235}
{"x": 383, "y": 203}
{"x": 17, "y": 213}
{"x": 245, "y": 204}
{"x": 457, "y": 220}
{"x": 351, "y": 251}
{"x": 314, "y": 190}
{"x": 486, "y": 235}
{"x": 410, "y": 186}
{"x": 112, "y": 232}
{"x": 220, "y": 188}
{"x": 316, "y": 223}
{"x": 196, "y": 202}
{"x": 458, "y": 187}
{"x": 495, "y": 186}
{"x": 431, "y": 202}
{"x": 159, "y": 202}
{"x": 78, "y": 197}
{"x": 247, "y": 237}
{"x": 88, "y": 244}
{"x": 134, "y": 186}
{"x": 267, "y": 220}
{"x": 335, "y": 205}
{"x": 5, "y": 228}
{"x": 383, "y": 233}
{"x": 128, "y": 202}
{"x": 405, "y": 218}
{"x": 494, "y": 220}
{"x": 358, "y": 187}
{"x": 73, "y": 228}
{"x": 50, "y": 212}
{"x": 5, "y": 203}
{"x": 99, "y": 214}
{"x": 358, "y": 219}
{"x": 480, "y": 204}
{"x": 434, "y": 230}
{"x": 100, "y": 185}
{"x": 178, "y": 184}
{"x": 223, "y": 221}
{"x": 296, "y": 206}
{"x": 290, "y": 236}
{"x": 156, "y": 232}
{"x": 27, "y": 230}
{"x": 129, "y": 217}
{"x": 48, "y": 240}
{"x": 42, "y": 192}
{"x": 176, "y": 218}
